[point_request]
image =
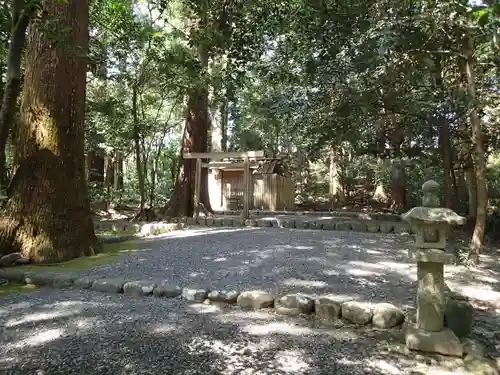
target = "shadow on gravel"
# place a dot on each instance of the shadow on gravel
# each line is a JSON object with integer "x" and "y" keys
{"x": 85, "y": 333}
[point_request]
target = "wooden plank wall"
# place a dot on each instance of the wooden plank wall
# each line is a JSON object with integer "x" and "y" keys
{"x": 270, "y": 191}
{"x": 273, "y": 192}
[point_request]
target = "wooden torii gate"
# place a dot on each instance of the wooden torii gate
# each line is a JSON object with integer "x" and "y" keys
{"x": 246, "y": 156}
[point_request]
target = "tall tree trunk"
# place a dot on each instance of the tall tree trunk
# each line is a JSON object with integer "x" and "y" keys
{"x": 470, "y": 178}
{"x": 479, "y": 157}
{"x": 195, "y": 138}
{"x": 118, "y": 171}
{"x": 445, "y": 146}
{"x": 137, "y": 148}
{"x": 48, "y": 215}
{"x": 21, "y": 14}
{"x": 108, "y": 180}
{"x": 96, "y": 167}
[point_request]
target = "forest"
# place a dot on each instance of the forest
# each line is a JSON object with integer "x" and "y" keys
{"x": 364, "y": 99}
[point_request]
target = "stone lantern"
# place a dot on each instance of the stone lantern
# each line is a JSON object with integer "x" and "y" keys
{"x": 431, "y": 224}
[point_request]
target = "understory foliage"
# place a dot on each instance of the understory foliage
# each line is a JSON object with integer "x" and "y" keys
{"x": 365, "y": 99}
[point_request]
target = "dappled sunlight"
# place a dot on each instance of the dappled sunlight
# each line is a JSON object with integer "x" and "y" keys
{"x": 197, "y": 232}
{"x": 39, "y": 338}
{"x": 384, "y": 366}
{"x": 483, "y": 293}
{"x": 40, "y": 316}
{"x": 306, "y": 283}
{"x": 292, "y": 361}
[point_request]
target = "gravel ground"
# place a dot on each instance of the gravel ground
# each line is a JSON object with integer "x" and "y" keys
{"x": 374, "y": 267}
{"x": 84, "y": 332}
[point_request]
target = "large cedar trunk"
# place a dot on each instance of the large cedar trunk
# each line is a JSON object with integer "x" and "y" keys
{"x": 477, "y": 133}
{"x": 195, "y": 139}
{"x": 48, "y": 215}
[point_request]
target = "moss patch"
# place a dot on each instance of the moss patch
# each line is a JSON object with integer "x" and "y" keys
{"x": 5, "y": 290}
{"x": 113, "y": 233}
{"x": 109, "y": 254}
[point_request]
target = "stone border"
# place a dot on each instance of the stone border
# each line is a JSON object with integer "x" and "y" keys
{"x": 338, "y": 214}
{"x": 329, "y": 308}
{"x": 330, "y": 224}
{"x": 141, "y": 229}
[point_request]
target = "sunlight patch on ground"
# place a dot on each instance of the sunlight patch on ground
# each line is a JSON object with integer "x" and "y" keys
{"x": 165, "y": 328}
{"x": 292, "y": 361}
{"x": 39, "y": 338}
{"x": 40, "y": 316}
{"x": 244, "y": 316}
{"x": 480, "y": 292}
{"x": 305, "y": 283}
{"x": 247, "y": 359}
{"x": 383, "y": 366}
{"x": 198, "y": 232}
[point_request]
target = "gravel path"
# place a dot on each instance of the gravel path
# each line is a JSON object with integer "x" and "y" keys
{"x": 368, "y": 266}
{"x": 83, "y": 332}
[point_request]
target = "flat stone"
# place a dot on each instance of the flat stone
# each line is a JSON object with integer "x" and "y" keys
{"x": 201, "y": 220}
{"x": 13, "y": 275}
{"x": 166, "y": 289}
{"x": 315, "y": 224}
{"x": 357, "y": 312}
{"x": 294, "y": 304}
{"x": 195, "y": 294}
{"x": 22, "y": 261}
{"x": 191, "y": 221}
{"x": 238, "y": 222}
{"x": 328, "y": 225}
{"x": 301, "y": 224}
{"x": 287, "y": 223}
{"x": 343, "y": 226}
{"x": 459, "y": 316}
{"x": 250, "y": 223}
{"x": 39, "y": 278}
{"x": 386, "y": 227}
{"x": 358, "y": 227}
{"x": 328, "y": 307}
{"x": 230, "y": 296}
{"x": 372, "y": 227}
{"x": 108, "y": 285}
{"x": 209, "y": 221}
{"x": 63, "y": 281}
{"x": 139, "y": 288}
{"x": 9, "y": 259}
{"x": 227, "y": 222}
{"x": 218, "y": 222}
{"x": 386, "y": 315}
{"x": 478, "y": 365}
{"x": 257, "y": 299}
{"x": 264, "y": 223}
{"x": 443, "y": 342}
{"x": 401, "y": 229}
{"x": 83, "y": 283}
